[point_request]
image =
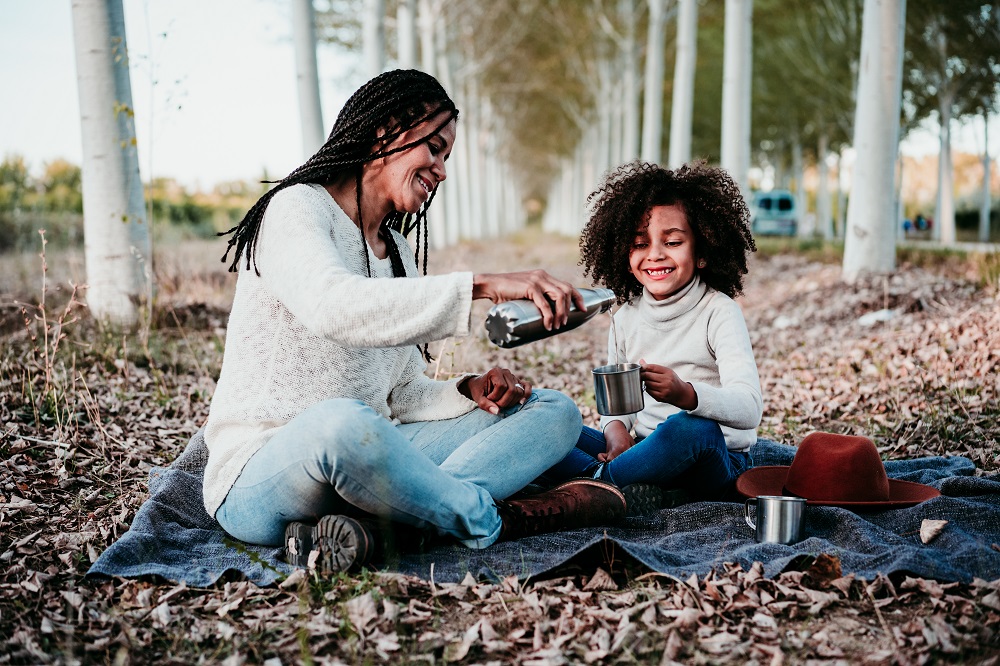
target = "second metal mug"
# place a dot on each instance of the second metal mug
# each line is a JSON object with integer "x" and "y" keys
{"x": 779, "y": 518}
{"x": 618, "y": 389}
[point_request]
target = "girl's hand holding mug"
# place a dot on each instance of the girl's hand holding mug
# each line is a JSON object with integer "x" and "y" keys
{"x": 664, "y": 385}
{"x": 496, "y": 389}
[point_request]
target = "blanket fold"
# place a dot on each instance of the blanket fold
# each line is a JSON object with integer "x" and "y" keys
{"x": 173, "y": 537}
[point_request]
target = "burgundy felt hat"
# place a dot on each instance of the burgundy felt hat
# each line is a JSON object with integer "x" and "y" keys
{"x": 835, "y": 470}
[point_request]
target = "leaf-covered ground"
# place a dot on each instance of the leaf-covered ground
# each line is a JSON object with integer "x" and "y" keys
{"x": 911, "y": 360}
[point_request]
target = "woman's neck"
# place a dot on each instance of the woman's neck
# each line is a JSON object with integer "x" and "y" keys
{"x": 344, "y": 192}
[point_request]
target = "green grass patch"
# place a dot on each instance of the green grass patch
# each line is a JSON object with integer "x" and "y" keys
{"x": 814, "y": 249}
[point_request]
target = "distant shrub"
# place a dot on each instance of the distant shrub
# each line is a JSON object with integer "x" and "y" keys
{"x": 53, "y": 201}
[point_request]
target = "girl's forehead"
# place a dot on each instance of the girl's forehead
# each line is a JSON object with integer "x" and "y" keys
{"x": 666, "y": 218}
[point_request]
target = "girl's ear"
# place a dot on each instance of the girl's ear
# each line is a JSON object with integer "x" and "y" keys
{"x": 701, "y": 263}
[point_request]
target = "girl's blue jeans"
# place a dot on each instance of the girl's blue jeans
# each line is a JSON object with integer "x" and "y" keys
{"x": 684, "y": 451}
{"x": 339, "y": 456}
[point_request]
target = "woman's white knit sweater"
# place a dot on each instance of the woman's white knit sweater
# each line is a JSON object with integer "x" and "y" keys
{"x": 700, "y": 334}
{"x": 313, "y": 326}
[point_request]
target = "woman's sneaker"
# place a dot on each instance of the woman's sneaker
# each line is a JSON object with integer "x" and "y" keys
{"x": 336, "y": 543}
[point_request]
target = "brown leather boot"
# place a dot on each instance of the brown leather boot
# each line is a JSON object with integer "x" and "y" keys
{"x": 576, "y": 503}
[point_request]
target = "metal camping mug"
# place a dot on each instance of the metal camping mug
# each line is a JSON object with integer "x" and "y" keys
{"x": 779, "y": 518}
{"x": 618, "y": 389}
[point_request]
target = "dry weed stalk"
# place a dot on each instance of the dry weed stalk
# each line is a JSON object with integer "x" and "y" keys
{"x": 53, "y": 332}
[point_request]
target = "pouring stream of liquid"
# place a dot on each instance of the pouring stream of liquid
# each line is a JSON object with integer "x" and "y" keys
{"x": 614, "y": 337}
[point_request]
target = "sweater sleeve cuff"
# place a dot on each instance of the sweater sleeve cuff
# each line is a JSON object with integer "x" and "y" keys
{"x": 463, "y": 320}
{"x": 608, "y": 420}
{"x": 705, "y": 394}
{"x": 733, "y": 408}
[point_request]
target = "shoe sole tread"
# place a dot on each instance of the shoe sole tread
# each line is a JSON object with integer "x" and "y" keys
{"x": 344, "y": 544}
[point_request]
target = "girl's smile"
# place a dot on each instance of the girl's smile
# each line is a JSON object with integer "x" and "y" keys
{"x": 662, "y": 257}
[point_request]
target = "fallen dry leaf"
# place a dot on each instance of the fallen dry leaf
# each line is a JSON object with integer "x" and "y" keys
{"x": 930, "y": 529}
{"x": 920, "y": 383}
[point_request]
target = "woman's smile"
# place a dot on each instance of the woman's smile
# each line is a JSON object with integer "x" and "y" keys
{"x": 409, "y": 177}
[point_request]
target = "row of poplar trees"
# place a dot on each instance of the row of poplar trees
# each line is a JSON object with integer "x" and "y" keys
{"x": 554, "y": 93}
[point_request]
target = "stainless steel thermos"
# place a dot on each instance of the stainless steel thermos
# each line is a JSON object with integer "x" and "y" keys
{"x": 514, "y": 323}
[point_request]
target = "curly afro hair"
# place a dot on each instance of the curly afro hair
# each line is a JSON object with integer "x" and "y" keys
{"x": 715, "y": 210}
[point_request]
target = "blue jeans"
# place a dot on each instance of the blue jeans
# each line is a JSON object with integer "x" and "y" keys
{"x": 684, "y": 451}
{"x": 339, "y": 456}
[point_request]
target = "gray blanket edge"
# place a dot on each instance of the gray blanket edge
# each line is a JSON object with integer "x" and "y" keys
{"x": 172, "y": 536}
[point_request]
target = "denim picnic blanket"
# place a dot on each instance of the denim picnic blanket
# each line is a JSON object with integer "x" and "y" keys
{"x": 173, "y": 537}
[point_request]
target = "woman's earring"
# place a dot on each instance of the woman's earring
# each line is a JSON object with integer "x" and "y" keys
{"x": 701, "y": 263}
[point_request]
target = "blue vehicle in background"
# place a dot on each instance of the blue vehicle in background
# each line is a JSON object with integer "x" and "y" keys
{"x": 773, "y": 214}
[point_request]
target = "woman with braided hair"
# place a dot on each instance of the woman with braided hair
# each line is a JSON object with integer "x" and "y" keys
{"x": 323, "y": 425}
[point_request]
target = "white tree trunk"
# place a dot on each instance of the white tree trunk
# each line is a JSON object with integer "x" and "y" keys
{"x": 843, "y": 185}
{"x": 406, "y": 33}
{"x": 490, "y": 170}
{"x": 307, "y": 77}
{"x": 477, "y": 151}
{"x": 453, "y": 205}
{"x": 566, "y": 212}
{"x": 438, "y": 216}
{"x": 824, "y": 212}
{"x": 630, "y": 85}
{"x": 606, "y": 104}
{"x": 426, "y": 18}
{"x": 564, "y": 222}
{"x": 589, "y": 174}
{"x": 373, "y": 37}
{"x": 617, "y": 125}
{"x": 572, "y": 222}
{"x": 803, "y": 229}
{"x": 652, "y": 114}
{"x": 736, "y": 77}
{"x": 682, "y": 107}
{"x": 460, "y": 170}
{"x": 985, "y": 204}
{"x": 514, "y": 211}
{"x": 944, "y": 215}
{"x": 117, "y": 244}
{"x": 560, "y": 193}
{"x": 871, "y": 213}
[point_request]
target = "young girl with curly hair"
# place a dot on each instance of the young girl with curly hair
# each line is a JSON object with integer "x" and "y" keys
{"x": 673, "y": 246}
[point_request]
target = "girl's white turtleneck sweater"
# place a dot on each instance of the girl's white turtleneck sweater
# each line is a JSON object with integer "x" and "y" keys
{"x": 313, "y": 326}
{"x": 701, "y": 335}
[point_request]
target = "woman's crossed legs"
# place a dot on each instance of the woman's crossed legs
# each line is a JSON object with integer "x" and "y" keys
{"x": 340, "y": 454}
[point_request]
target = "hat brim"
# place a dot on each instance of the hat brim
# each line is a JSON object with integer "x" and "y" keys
{"x": 770, "y": 480}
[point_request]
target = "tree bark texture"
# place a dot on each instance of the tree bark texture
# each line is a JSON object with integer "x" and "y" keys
{"x": 117, "y": 244}
{"x": 307, "y": 77}
{"x": 682, "y": 107}
{"x": 869, "y": 244}
{"x": 736, "y": 87}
